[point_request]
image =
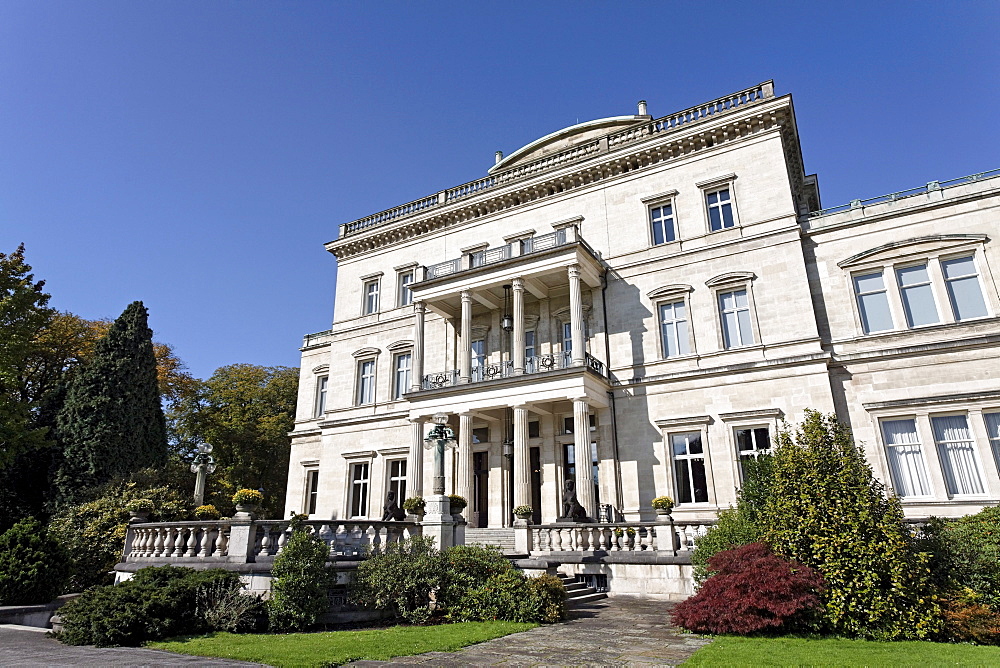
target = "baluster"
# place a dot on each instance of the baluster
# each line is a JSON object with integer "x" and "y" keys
{"x": 192, "y": 543}
{"x": 283, "y": 537}
{"x": 156, "y": 547}
{"x": 180, "y": 542}
{"x": 168, "y": 541}
{"x": 616, "y": 540}
{"x": 206, "y": 541}
{"x": 265, "y": 541}
{"x": 376, "y": 539}
{"x": 138, "y": 542}
{"x": 222, "y": 542}
{"x": 584, "y": 543}
{"x": 557, "y": 540}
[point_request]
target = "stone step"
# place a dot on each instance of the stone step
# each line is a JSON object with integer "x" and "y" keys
{"x": 584, "y": 600}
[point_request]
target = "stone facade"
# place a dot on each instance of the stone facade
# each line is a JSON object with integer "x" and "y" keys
{"x": 653, "y": 295}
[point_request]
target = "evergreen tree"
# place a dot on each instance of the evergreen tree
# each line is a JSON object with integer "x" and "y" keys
{"x": 111, "y": 423}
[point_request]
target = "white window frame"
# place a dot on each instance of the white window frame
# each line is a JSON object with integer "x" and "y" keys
{"x": 359, "y": 489}
{"x": 993, "y": 438}
{"x": 715, "y": 186}
{"x": 397, "y": 478}
{"x": 673, "y": 426}
{"x": 322, "y": 394}
{"x": 904, "y": 291}
{"x": 726, "y": 341}
{"x": 948, "y": 282}
{"x": 920, "y": 446}
{"x": 399, "y": 389}
{"x": 764, "y": 418}
{"x": 404, "y": 295}
{"x": 370, "y": 294}
{"x": 858, "y": 294}
{"x": 944, "y": 459}
{"x": 731, "y": 283}
{"x": 684, "y": 343}
{"x": 360, "y": 398}
{"x": 310, "y": 496}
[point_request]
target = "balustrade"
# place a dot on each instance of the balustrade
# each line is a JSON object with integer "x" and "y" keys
{"x": 668, "y": 538}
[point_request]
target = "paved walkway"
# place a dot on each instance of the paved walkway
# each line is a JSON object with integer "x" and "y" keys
{"x": 612, "y": 632}
{"x": 27, "y": 646}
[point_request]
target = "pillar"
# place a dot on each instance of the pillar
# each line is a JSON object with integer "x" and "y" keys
{"x": 464, "y": 458}
{"x": 576, "y": 315}
{"x": 522, "y": 463}
{"x": 581, "y": 446}
{"x": 417, "y": 366}
{"x": 465, "y": 339}
{"x": 518, "y": 338}
{"x": 415, "y": 459}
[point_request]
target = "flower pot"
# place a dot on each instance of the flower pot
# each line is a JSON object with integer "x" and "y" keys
{"x": 246, "y": 510}
{"x": 138, "y": 516}
{"x": 663, "y": 514}
{"x": 524, "y": 516}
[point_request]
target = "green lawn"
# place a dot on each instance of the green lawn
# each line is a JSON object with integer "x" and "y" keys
{"x": 734, "y": 651}
{"x": 337, "y": 647}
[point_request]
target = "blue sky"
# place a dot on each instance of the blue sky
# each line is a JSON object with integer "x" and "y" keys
{"x": 196, "y": 155}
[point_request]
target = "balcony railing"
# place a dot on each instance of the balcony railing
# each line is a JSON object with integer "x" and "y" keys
{"x": 492, "y": 371}
{"x": 668, "y": 538}
{"x": 314, "y": 339}
{"x": 498, "y": 254}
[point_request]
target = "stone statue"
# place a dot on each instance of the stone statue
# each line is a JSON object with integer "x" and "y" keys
{"x": 572, "y": 511}
{"x": 391, "y": 509}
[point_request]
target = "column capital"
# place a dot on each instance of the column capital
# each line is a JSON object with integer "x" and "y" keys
{"x": 466, "y": 414}
{"x": 466, "y": 296}
{"x": 521, "y": 407}
{"x": 417, "y": 420}
{"x": 419, "y": 306}
{"x": 573, "y": 270}
{"x": 517, "y": 283}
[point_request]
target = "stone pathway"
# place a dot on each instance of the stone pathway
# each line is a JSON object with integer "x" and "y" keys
{"x": 612, "y": 632}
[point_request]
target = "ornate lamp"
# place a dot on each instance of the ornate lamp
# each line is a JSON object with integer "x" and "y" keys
{"x": 439, "y": 437}
{"x": 507, "y": 321}
{"x": 202, "y": 465}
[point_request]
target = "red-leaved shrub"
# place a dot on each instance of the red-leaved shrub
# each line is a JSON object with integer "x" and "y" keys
{"x": 752, "y": 590}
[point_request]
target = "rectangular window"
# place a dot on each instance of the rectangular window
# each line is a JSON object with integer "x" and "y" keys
{"x": 661, "y": 223}
{"x": 529, "y": 344}
{"x": 366, "y": 382}
{"x": 533, "y": 430}
{"x": 958, "y": 454}
{"x": 735, "y": 310}
{"x": 873, "y": 303}
{"x": 371, "y": 297}
{"x": 918, "y": 297}
{"x": 312, "y": 490}
{"x": 690, "y": 479}
{"x": 906, "y": 459}
{"x": 481, "y": 435}
{"x": 397, "y": 479}
{"x": 674, "y": 329}
{"x": 751, "y": 443}
{"x": 993, "y": 431}
{"x": 405, "y": 294}
{"x": 568, "y": 423}
{"x": 964, "y": 291}
{"x": 720, "y": 209}
{"x": 359, "y": 489}
{"x": 321, "y": 386}
{"x": 567, "y": 337}
{"x": 569, "y": 467}
{"x": 401, "y": 381}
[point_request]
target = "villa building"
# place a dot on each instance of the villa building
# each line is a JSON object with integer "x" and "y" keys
{"x": 637, "y": 305}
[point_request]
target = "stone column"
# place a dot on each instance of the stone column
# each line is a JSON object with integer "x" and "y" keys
{"x": 581, "y": 443}
{"x": 417, "y": 366}
{"x": 576, "y": 316}
{"x": 518, "y": 338}
{"x": 522, "y": 464}
{"x": 415, "y": 460}
{"x": 464, "y": 458}
{"x": 465, "y": 339}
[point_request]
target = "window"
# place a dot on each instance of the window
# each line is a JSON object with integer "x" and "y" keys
{"x": 690, "y": 480}
{"x": 312, "y": 491}
{"x": 674, "y": 329}
{"x": 735, "y": 311}
{"x": 720, "y": 209}
{"x": 569, "y": 468}
{"x": 661, "y": 223}
{"x": 359, "y": 489}
{"x": 918, "y": 297}
{"x": 958, "y": 454}
{"x": 529, "y": 344}
{"x": 401, "y": 380}
{"x": 366, "y": 382}
{"x": 964, "y": 293}
{"x": 321, "y": 386}
{"x": 873, "y": 303}
{"x": 481, "y": 435}
{"x": 993, "y": 431}
{"x": 371, "y": 297}
{"x": 533, "y": 430}
{"x": 906, "y": 459}
{"x": 403, "y": 288}
{"x": 751, "y": 443}
{"x": 397, "y": 479}
{"x": 568, "y": 423}
{"x": 567, "y": 337}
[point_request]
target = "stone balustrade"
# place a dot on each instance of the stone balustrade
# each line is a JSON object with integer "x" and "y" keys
{"x": 671, "y": 538}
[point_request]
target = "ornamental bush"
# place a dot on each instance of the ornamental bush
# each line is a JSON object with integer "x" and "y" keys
{"x": 468, "y": 567}
{"x": 827, "y": 511}
{"x": 248, "y": 497}
{"x": 752, "y": 590}
{"x": 414, "y": 505}
{"x": 301, "y": 582}
{"x": 549, "y": 595}
{"x": 33, "y": 566}
{"x": 968, "y": 619}
{"x": 967, "y": 554}
{"x": 400, "y": 579}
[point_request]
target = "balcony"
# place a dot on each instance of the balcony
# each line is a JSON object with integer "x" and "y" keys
{"x": 492, "y": 371}
{"x": 494, "y": 255}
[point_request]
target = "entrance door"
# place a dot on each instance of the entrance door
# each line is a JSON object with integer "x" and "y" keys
{"x": 481, "y": 489}
{"x": 536, "y": 485}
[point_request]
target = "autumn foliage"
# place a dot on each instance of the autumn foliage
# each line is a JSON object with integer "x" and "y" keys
{"x": 752, "y": 591}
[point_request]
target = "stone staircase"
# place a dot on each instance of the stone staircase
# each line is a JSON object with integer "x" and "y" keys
{"x": 499, "y": 537}
{"x": 579, "y": 594}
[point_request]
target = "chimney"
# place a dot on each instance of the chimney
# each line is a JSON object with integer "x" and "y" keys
{"x": 642, "y": 108}
{"x": 498, "y": 156}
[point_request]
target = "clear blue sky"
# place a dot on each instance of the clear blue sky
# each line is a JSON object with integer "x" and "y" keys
{"x": 196, "y": 155}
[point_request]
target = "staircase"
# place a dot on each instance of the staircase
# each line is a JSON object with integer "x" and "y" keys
{"x": 499, "y": 537}
{"x": 579, "y": 594}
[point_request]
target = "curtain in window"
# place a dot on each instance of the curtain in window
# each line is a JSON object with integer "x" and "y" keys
{"x": 993, "y": 429}
{"x": 906, "y": 461}
{"x": 958, "y": 455}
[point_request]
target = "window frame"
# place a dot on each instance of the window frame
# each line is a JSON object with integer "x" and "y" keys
{"x": 359, "y": 392}
{"x": 669, "y": 428}
{"x": 310, "y": 494}
{"x": 404, "y": 295}
{"x": 399, "y": 480}
{"x": 717, "y": 185}
{"x": 371, "y": 299}
{"x": 724, "y": 340}
{"x": 910, "y": 288}
{"x": 976, "y": 450}
{"x": 947, "y": 283}
{"x": 397, "y": 390}
{"x": 322, "y": 394}
{"x": 920, "y": 443}
{"x": 354, "y": 484}
{"x": 687, "y": 348}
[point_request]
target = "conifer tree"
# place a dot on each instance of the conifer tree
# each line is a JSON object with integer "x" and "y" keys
{"x": 111, "y": 423}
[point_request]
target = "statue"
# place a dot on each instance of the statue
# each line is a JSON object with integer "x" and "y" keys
{"x": 391, "y": 509}
{"x": 572, "y": 511}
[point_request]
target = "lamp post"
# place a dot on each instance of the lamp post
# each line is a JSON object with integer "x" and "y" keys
{"x": 441, "y": 436}
{"x": 203, "y": 465}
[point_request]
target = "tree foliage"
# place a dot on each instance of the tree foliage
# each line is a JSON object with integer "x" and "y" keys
{"x": 112, "y": 422}
{"x": 299, "y": 590}
{"x": 33, "y": 566}
{"x": 827, "y": 511}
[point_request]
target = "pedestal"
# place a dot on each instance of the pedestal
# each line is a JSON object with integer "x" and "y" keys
{"x": 438, "y": 521}
{"x": 522, "y": 536}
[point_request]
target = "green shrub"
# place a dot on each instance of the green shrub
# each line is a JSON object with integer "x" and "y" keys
{"x": 206, "y": 512}
{"x": 467, "y": 567}
{"x": 549, "y": 598}
{"x": 33, "y": 566}
{"x": 301, "y": 582}
{"x": 967, "y": 554}
{"x": 968, "y": 619}
{"x": 414, "y": 505}
{"x": 400, "y": 579}
{"x": 140, "y": 506}
{"x": 156, "y": 603}
{"x": 458, "y": 503}
{"x": 248, "y": 497}
{"x": 827, "y": 511}
{"x": 512, "y": 597}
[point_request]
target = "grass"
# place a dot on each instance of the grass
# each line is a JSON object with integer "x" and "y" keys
{"x": 337, "y": 647}
{"x": 735, "y": 651}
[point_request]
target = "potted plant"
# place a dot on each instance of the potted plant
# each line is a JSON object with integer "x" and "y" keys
{"x": 458, "y": 504}
{"x": 206, "y": 512}
{"x": 414, "y": 506}
{"x": 523, "y": 512}
{"x": 663, "y": 505}
{"x": 139, "y": 510}
{"x": 246, "y": 501}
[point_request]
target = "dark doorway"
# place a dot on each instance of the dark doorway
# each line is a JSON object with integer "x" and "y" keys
{"x": 536, "y": 485}
{"x": 481, "y": 491}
